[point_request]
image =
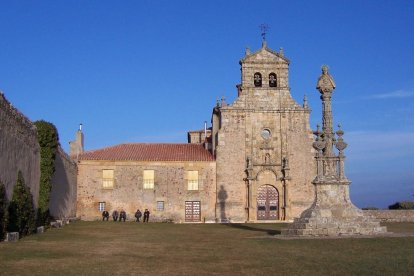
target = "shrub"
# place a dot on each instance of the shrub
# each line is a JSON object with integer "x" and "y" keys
{"x": 48, "y": 139}
{"x": 402, "y": 205}
{"x": 3, "y": 210}
{"x": 21, "y": 209}
{"x": 370, "y": 208}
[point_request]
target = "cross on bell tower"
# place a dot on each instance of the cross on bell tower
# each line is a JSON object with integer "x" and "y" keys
{"x": 264, "y": 28}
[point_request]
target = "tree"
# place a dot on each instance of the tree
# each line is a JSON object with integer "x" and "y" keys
{"x": 22, "y": 217}
{"x": 3, "y": 210}
{"x": 48, "y": 139}
{"x": 402, "y": 205}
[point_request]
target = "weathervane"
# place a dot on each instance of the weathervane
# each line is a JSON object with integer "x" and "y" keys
{"x": 264, "y": 28}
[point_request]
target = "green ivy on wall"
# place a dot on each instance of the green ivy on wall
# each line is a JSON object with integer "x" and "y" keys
{"x": 48, "y": 138}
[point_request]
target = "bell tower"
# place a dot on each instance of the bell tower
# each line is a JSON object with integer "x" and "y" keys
{"x": 265, "y": 69}
{"x": 263, "y": 144}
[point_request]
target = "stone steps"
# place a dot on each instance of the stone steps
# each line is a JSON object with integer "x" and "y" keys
{"x": 325, "y": 226}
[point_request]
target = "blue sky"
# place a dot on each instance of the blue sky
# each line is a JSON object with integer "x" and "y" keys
{"x": 148, "y": 71}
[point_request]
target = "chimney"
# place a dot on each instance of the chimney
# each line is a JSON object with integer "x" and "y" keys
{"x": 76, "y": 147}
{"x": 205, "y": 135}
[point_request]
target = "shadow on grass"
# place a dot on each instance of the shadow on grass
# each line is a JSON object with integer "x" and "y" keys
{"x": 271, "y": 232}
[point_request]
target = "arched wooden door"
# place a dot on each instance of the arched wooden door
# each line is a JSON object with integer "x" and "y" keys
{"x": 267, "y": 203}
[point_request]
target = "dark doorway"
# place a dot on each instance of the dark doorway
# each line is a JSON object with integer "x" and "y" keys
{"x": 267, "y": 203}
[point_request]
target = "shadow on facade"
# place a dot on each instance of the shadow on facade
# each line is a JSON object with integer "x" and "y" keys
{"x": 222, "y": 197}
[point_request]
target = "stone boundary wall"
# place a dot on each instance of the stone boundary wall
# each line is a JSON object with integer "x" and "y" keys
{"x": 391, "y": 215}
{"x": 62, "y": 202}
{"x": 19, "y": 149}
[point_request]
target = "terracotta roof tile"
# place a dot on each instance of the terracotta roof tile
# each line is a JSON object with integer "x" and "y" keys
{"x": 150, "y": 152}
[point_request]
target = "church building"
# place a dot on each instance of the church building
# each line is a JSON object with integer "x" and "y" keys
{"x": 256, "y": 162}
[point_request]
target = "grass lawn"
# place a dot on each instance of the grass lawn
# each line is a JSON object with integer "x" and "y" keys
{"x": 202, "y": 249}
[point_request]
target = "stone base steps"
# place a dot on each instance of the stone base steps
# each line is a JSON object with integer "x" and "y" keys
{"x": 334, "y": 227}
{"x": 334, "y": 231}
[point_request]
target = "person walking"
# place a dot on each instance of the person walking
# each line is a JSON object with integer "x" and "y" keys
{"x": 138, "y": 215}
{"x": 146, "y": 215}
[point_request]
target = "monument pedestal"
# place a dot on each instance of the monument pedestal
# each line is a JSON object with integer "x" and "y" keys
{"x": 333, "y": 214}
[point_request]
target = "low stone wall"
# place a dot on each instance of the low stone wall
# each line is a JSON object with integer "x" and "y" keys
{"x": 392, "y": 215}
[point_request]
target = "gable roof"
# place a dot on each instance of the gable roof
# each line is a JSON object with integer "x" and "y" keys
{"x": 266, "y": 52}
{"x": 150, "y": 152}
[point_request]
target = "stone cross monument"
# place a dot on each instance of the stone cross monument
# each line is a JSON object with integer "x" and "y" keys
{"x": 332, "y": 212}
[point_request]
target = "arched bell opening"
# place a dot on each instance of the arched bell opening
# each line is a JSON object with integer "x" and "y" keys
{"x": 257, "y": 79}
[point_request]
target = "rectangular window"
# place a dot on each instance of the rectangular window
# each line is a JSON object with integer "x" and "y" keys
{"x": 101, "y": 206}
{"x": 192, "y": 180}
{"x": 160, "y": 205}
{"x": 108, "y": 179}
{"x": 148, "y": 179}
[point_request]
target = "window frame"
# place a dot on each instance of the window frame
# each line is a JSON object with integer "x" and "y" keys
{"x": 106, "y": 180}
{"x": 160, "y": 204}
{"x": 102, "y": 206}
{"x": 193, "y": 183}
{"x": 148, "y": 183}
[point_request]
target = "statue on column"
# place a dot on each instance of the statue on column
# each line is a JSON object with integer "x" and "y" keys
{"x": 332, "y": 212}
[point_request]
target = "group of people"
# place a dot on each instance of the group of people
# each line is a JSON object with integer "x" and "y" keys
{"x": 122, "y": 215}
{"x": 138, "y": 215}
{"x": 115, "y": 215}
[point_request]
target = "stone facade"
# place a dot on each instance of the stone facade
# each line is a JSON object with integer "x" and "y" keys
{"x": 128, "y": 193}
{"x": 263, "y": 141}
{"x": 199, "y": 136}
{"x": 262, "y": 158}
{"x": 19, "y": 149}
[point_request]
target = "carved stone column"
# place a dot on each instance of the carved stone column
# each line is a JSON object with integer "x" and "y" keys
{"x": 248, "y": 179}
{"x": 332, "y": 212}
{"x": 286, "y": 179}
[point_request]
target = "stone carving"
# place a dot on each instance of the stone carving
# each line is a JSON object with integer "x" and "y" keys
{"x": 305, "y": 102}
{"x": 12, "y": 237}
{"x": 249, "y": 163}
{"x": 319, "y": 144}
{"x": 332, "y": 212}
{"x": 340, "y": 144}
{"x": 325, "y": 83}
{"x": 40, "y": 230}
{"x": 267, "y": 158}
{"x": 285, "y": 163}
{"x": 57, "y": 224}
{"x": 248, "y": 52}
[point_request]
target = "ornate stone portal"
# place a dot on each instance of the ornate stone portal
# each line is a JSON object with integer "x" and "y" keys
{"x": 332, "y": 212}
